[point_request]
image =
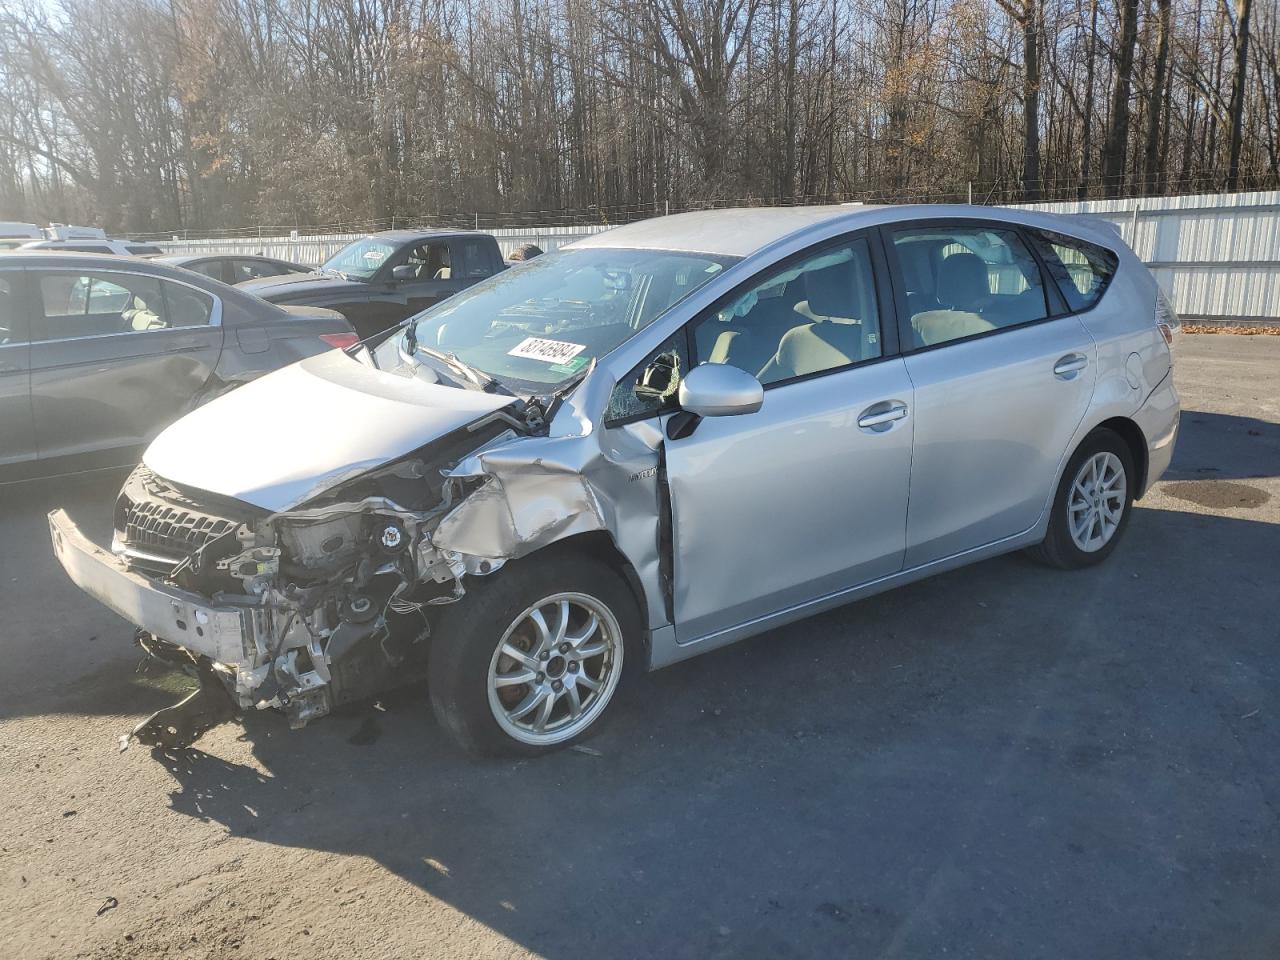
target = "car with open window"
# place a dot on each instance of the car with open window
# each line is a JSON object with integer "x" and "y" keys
{"x": 648, "y": 444}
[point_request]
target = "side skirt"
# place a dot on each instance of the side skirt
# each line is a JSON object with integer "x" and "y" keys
{"x": 666, "y": 650}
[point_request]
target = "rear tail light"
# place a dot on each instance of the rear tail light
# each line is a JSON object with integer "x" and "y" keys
{"x": 340, "y": 341}
{"x": 1167, "y": 320}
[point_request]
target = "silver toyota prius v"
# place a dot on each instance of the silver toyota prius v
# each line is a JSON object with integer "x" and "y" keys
{"x": 643, "y": 446}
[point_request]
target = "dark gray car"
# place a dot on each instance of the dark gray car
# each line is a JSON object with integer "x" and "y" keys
{"x": 98, "y": 354}
{"x": 235, "y": 268}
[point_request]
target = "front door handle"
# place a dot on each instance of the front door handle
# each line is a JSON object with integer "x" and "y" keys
{"x": 1068, "y": 366}
{"x": 882, "y": 414}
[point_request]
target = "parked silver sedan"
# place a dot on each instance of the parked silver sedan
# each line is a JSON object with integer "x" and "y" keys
{"x": 99, "y": 353}
{"x": 646, "y": 445}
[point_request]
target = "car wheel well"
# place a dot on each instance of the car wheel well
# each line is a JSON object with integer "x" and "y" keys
{"x": 599, "y": 546}
{"x": 1134, "y": 439}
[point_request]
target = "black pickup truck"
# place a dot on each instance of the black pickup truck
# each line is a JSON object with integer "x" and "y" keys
{"x": 381, "y": 279}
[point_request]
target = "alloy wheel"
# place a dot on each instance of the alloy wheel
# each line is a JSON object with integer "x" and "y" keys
{"x": 555, "y": 669}
{"x": 1097, "y": 502}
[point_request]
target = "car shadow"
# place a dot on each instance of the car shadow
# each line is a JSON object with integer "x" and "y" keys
{"x": 1220, "y": 446}
{"x": 1001, "y": 755}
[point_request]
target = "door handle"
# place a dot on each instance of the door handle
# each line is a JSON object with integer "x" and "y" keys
{"x": 881, "y": 414}
{"x": 1068, "y": 366}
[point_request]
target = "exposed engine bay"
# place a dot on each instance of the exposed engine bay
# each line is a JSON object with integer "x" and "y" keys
{"x": 339, "y": 591}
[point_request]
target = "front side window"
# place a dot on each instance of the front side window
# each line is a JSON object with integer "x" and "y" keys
{"x": 1081, "y": 270}
{"x": 543, "y": 324}
{"x": 88, "y": 304}
{"x": 809, "y": 316}
{"x": 360, "y": 260}
{"x": 652, "y": 387}
{"x": 963, "y": 281}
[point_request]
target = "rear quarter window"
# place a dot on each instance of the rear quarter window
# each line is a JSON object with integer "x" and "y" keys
{"x": 1082, "y": 270}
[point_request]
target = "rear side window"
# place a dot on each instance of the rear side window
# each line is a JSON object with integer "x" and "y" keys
{"x": 144, "y": 250}
{"x": 963, "y": 281}
{"x": 208, "y": 268}
{"x": 1081, "y": 270}
{"x": 242, "y": 270}
{"x": 476, "y": 259}
{"x": 90, "y": 304}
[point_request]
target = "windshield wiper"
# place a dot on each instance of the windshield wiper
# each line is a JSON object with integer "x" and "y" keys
{"x": 331, "y": 272}
{"x": 477, "y": 378}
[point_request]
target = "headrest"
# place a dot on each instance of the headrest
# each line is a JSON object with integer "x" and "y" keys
{"x": 828, "y": 292}
{"x": 963, "y": 280}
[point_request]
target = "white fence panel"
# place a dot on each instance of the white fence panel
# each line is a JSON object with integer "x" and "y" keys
{"x": 1216, "y": 257}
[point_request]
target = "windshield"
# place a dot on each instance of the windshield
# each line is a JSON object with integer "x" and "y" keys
{"x": 360, "y": 260}
{"x": 540, "y": 323}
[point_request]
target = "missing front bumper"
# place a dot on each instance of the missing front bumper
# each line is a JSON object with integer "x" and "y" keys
{"x": 224, "y": 633}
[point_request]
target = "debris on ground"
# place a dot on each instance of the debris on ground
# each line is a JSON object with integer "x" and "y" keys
{"x": 1239, "y": 329}
{"x": 110, "y": 904}
{"x": 589, "y": 751}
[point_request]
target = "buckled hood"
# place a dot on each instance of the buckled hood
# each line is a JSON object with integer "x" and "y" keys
{"x": 294, "y": 434}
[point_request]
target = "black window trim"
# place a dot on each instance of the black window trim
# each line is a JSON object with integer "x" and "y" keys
{"x": 1055, "y": 304}
{"x": 885, "y": 304}
{"x": 1048, "y": 272}
{"x": 888, "y": 331}
{"x": 36, "y": 301}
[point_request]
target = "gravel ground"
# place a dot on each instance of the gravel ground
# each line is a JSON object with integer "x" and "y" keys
{"x": 1004, "y": 761}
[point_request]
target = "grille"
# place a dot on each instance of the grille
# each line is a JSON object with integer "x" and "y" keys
{"x": 159, "y": 521}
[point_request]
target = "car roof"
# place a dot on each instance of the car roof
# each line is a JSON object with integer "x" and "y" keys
{"x": 148, "y": 266}
{"x": 730, "y": 232}
{"x": 402, "y": 236}
{"x": 743, "y": 231}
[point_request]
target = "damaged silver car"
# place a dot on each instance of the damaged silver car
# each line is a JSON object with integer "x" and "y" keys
{"x": 643, "y": 446}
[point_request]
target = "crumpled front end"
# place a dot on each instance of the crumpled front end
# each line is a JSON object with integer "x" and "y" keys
{"x": 310, "y": 607}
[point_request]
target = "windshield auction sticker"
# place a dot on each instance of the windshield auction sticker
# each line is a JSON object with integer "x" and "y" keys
{"x": 548, "y": 351}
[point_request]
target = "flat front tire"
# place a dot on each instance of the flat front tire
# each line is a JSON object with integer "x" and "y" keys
{"x": 1092, "y": 505}
{"x": 529, "y": 660}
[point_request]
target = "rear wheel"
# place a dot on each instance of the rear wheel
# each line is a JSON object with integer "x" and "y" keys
{"x": 1092, "y": 505}
{"x": 529, "y": 660}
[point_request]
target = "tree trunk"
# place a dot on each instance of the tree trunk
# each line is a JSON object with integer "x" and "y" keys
{"x": 1116, "y": 148}
{"x": 1151, "y": 170}
{"x": 1236, "y": 110}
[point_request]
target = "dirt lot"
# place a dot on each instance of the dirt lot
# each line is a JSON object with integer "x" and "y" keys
{"x": 1001, "y": 762}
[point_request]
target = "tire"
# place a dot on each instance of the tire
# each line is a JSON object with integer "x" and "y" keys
{"x": 1065, "y": 550}
{"x": 467, "y": 662}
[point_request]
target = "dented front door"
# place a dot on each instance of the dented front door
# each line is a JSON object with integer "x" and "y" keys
{"x": 791, "y": 503}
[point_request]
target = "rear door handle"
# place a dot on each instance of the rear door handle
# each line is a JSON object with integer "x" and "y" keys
{"x": 1068, "y": 366}
{"x": 881, "y": 414}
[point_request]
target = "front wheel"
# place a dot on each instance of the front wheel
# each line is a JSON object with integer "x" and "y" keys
{"x": 1092, "y": 505}
{"x": 529, "y": 660}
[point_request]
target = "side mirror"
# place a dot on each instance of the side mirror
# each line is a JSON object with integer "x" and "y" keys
{"x": 404, "y": 272}
{"x": 720, "y": 390}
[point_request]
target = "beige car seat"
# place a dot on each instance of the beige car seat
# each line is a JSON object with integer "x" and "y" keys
{"x": 137, "y": 317}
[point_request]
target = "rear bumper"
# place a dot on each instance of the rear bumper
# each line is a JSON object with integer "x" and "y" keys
{"x": 224, "y": 633}
{"x": 1158, "y": 418}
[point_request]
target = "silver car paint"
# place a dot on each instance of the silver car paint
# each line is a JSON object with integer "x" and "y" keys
{"x": 341, "y": 418}
{"x": 798, "y": 480}
{"x": 782, "y": 492}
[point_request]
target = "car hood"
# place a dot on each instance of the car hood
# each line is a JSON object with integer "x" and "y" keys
{"x": 291, "y": 287}
{"x": 292, "y": 435}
